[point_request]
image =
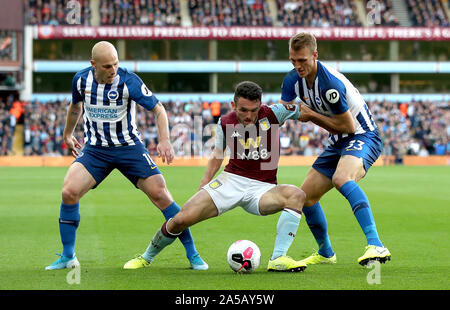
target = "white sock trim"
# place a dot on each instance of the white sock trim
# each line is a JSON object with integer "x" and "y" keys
{"x": 295, "y": 213}
{"x": 170, "y": 233}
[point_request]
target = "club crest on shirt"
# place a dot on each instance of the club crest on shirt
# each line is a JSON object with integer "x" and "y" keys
{"x": 318, "y": 101}
{"x": 215, "y": 184}
{"x": 264, "y": 124}
{"x": 113, "y": 94}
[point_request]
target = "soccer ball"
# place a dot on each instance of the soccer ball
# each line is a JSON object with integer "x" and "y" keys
{"x": 243, "y": 256}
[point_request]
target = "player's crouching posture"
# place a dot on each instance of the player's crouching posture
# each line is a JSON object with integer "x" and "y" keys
{"x": 251, "y": 132}
{"x": 329, "y": 100}
{"x": 106, "y": 96}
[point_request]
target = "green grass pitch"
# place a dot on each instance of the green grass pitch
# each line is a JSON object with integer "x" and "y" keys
{"x": 411, "y": 206}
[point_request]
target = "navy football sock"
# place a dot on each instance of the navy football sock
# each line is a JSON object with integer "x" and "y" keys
{"x": 69, "y": 220}
{"x": 186, "y": 236}
{"x": 317, "y": 223}
{"x": 361, "y": 209}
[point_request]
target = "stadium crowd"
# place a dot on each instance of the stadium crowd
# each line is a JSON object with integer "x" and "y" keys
{"x": 140, "y": 12}
{"x": 382, "y": 12}
{"x": 427, "y": 13}
{"x": 57, "y": 12}
{"x": 317, "y": 13}
{"x": 230, "y": 13}
{"x": 415, "y": 128}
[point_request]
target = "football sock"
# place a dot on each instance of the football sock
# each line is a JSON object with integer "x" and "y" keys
{"x": 161, "y": 239}
{"x": 317, "y": 223}
{"x": 286, "y": 229}
{"x": 186, "y": 236}
{"x": 69, "y": 219}
{"x": 361, "y": 209}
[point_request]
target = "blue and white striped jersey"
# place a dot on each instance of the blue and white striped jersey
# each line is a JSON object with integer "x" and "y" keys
{"x": 109, "y": 110}
{"x": 332, "y": 93}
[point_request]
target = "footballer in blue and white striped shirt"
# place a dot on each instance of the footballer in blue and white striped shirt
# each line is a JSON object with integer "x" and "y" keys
{"x": 328, "y": 99}
{"x": 106, "y": 96}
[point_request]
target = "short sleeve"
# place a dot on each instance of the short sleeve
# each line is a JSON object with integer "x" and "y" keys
{"x": 288, "y": 88}
{"x": 139, "y": 92}
{"x": 284, "y": 113}
{"x": 335, "y": 95}
{"x": 76, "y": 96}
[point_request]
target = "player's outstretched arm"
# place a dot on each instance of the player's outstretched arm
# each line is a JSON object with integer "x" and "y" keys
{"x": 338, "y": 123}
{"x": 165, "y": 149}
{"x": 214, "y": 164}
{"x": 73, "y": 115}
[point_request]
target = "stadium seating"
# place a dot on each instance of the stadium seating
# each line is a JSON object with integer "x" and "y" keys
{"x": 230, "y": 13}
{"x": 427, "y": 13}
{"x": 317, "y": 13}
{"x": 235, "y": 12}
{"x": 415, "y": 128}
{"x": 140, "y": 12}
{"x": 55, "y": 12}
{"x": 386, "y": 12}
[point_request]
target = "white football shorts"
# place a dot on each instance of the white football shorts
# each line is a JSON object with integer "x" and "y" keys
{"x": 229, "y": 190}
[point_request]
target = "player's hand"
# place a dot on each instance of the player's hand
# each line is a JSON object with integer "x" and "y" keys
{"x": 165, "y": 151}
{"x": 305, "y": 113}
{"x": 73, "y": 145}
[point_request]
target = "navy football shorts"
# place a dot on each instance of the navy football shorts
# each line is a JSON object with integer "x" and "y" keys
{"x": 132, "y": 161}
{"x": 367, "y": 146}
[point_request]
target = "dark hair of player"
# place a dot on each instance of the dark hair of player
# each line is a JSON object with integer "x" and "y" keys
{"x": 248, "y": 90}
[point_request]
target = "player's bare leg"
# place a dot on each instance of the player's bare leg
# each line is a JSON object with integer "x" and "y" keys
{"x": 199, "y": 208}
{"x": 77, "y": 182}
{"x": 315, "y": 186}
{"x": 350, "y": 170}
{"x": 155, "y": 188}
{"x": 289, "y": 199}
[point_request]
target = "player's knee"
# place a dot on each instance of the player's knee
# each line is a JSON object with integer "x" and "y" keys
{"x": 180, "y": 222}
{"x": 295, "y": 197}
{"x": 70, "y": 195}
{"x": 339, "y": 179}
{"x": 160, "y": 196}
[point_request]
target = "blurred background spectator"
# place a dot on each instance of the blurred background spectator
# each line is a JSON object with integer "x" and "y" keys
{"x": 56, "y": 12}
{"x": 140, "y": 12}
{"x": 317, "y": 13}
{"x": 230, "y": 13}
{"x": 429, "y": 13}
{"x": 413, "y": 128}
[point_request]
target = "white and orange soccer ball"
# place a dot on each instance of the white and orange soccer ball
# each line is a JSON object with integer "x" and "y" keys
{"x": 244, "y": 256}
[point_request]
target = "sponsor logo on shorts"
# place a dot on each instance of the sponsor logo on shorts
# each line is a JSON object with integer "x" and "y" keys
{"x": 215, "y": 184}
